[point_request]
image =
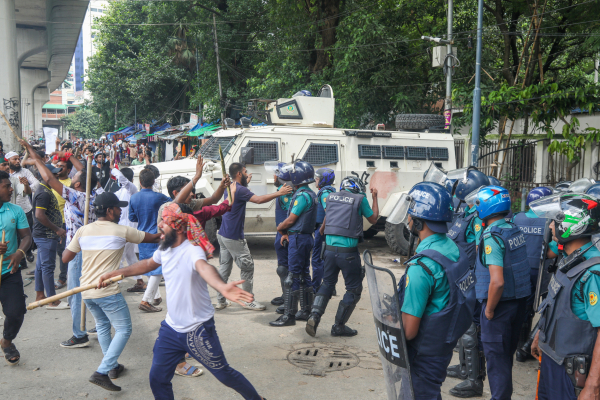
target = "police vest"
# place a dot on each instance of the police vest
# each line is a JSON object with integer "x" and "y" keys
{"x": 320, "y": 209}
{"x": 516, "y": 267}
{"x": 458, "y": 208}
{"x": 533, "y": 229}
{"x": 307, "y": 220}
{"x": 458, "y": 233}
{"x": 562, "y": 334}
{"x": 280, "y": 213}
{"x": 343, "y": 217}
{"x": 440, "y": 331}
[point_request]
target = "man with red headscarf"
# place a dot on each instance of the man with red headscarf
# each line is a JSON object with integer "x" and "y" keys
{"x": 189, "y": 325}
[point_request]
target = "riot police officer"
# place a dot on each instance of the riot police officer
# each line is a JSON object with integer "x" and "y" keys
{"x": 502, "y": 287}
{"x": 282, "y": 205}
{"x": 298, "y": 230}
{"x": 533, "y": 229}
{"x": 570, "y": 314}
{"x": 324, "y": 178}
{"x": 437, "y": 292}
{"x": 494, "y": 181}
{"x": 343, "y": 229}
{"x": 465, "y": 232}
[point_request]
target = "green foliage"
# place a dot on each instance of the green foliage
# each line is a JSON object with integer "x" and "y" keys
{"x": 82, "y": 123}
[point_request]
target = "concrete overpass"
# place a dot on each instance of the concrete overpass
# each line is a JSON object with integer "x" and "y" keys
{"x": 37, "y": 42}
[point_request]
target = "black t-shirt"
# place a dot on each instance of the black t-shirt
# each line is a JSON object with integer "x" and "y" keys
{"x": 45, "y": 200}
{"x": 103, "y": 173}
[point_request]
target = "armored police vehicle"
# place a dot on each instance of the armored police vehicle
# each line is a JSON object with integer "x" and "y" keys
{"x": 303, "y": 128}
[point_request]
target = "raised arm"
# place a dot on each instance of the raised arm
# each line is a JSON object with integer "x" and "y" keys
{"x": 218, "y": 194}
{"x": 265, "y": 198}
{"x": 47, "y": 176}
{"x": 152, "y": 237}
{"x": 139, "y": 268}
{"x": 373, "y": 218}
{"x": 187, "y": 189}
{"x": 229, "y": 290}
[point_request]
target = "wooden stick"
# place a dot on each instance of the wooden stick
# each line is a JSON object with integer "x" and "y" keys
{"x": 86, "y": 216}
{"x": 2, "y": 256}
{"x": 224, "y": 173}
{"x": 71, "y": 292}
{"x": 10, "y": 126}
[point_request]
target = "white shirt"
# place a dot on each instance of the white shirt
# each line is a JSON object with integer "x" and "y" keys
{"x": 187, "y": 293}
{"x": 23, "y": 199}
{"x": 127, "y": 190}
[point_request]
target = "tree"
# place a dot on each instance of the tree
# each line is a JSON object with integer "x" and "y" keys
{"x": 82, "y": 123}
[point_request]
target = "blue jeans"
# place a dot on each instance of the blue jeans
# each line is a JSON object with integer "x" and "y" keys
{"x": 75, "y": 300}
{"x": 107, "y": 311}
{"x": 203, "y": 344}
{"x": 45, "y": 265}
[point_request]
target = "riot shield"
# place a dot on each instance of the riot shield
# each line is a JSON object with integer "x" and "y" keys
{"x": 544, "y": 275}
{"x": 390, "y": 333}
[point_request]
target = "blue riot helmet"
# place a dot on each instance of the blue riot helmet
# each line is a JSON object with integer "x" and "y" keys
{"x": 301, "y": 173}
{"x": 428, "y": 201}
{"x": 475, "y": 179}
{"x": 279, "y": 169}
{"x": 353, "y": 185}
{"x": 594, "y": 190}
{"x": 449, "y": 184}
{"x": 283, "y": 175}
{"x": 538, "y": 193}
{"x": 492, "y": 201}
{"x": 581, "y": 185}
{"x": 494, "y": 181}
{"x": 326, "y": 177}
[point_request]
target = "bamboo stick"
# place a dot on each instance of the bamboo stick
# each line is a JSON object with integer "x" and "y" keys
{"x": 86, "y": 216}
{"x": 71, "y": 292}
{"x": 2, "y": 256}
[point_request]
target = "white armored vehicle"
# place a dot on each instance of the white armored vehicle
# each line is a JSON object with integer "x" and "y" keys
{"x": 302, "y": 128}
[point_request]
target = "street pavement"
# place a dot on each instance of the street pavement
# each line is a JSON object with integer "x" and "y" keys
{"x": 262, "y": 353}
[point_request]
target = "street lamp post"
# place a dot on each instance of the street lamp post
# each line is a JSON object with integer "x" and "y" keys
{"x": 477, "y": 90}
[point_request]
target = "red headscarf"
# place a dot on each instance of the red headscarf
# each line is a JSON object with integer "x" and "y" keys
{"x": 176, "y": 219}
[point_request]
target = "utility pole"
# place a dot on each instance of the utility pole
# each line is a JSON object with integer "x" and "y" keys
{"x": 116, "y": 115}
{"x": 449, "y": 63}
{"x": 218, "y": 68}
{"x": 135, "y": 122}
{"x": 477, "y": 90}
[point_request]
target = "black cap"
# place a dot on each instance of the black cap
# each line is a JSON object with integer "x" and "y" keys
{"x": 108, "y": 199}
{"x": 53, "y": 169}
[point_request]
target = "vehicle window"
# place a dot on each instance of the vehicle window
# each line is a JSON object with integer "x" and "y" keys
{"x": 264, "y": 151}
{"x": 369, "y": 151}
{"x": 210, "y": 150}
{"x": 438, "y": 153}
{"x": 393, "y": 152}
{"x": 416, "y": 153}
{"x": 321, "y": 154}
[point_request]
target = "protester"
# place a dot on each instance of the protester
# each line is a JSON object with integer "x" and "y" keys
{"x": 231, "y": 234}
{"x": 47, "y": 231}
{"x": 66, "y": 167}
{"x": 189, "y": 325}
{"x": 101, "y": 244}
{"x": 104, "y": 167}
{"x": 143, "y": 209}
{"x": 12, "y": 297}
{"x": 141, "y": 159}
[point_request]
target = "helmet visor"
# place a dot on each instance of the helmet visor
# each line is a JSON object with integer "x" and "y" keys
{"x": 287, "y": 168}
{"x": 456, "y": 174}
{"x": 580, "y": 185}
{"x": 548, "y": 207}
{"x": 272, "y": 167}
{"x": 434, "y": 174}
{"x": 472, "y": 197}
{"x": 399, "y": 214}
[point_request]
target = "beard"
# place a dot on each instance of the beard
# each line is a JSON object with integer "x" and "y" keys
{"x": 276, "y": 183}
{"x": 168, "y": 241}
{"x": 244, "y": 181}
{"x": 15, "y": 168}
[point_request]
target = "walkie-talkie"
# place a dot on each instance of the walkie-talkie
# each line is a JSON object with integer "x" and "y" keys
{"x": 574, "y": 259}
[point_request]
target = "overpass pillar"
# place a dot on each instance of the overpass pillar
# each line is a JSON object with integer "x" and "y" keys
{"x": 30, "y": 80}
{"x": 9, "y": 75}
{"x": 41, "y": 96}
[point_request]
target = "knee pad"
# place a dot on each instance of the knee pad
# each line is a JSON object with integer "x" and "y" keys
{"x": 289, "y": 280}
{"x": 353, "y": 295}
{"x": 282, "y": 271}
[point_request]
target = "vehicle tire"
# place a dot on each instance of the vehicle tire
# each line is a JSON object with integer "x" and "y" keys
{"x": 419, "y": 121}
{"x": 370, "y": 233}
{"x": 397, "y": 237}
{"x": 211, "y": 228}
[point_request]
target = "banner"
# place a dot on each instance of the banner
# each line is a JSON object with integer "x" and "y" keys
{"x": 147, "y": 127}
{"x": 193, "y": 119}
{"x": 50, "y": 135}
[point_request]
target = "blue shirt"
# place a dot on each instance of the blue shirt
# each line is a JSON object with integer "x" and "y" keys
{"x": 143, "y": 209}
{"x": 12, "y": 217}
{"x": 232, "y": 223}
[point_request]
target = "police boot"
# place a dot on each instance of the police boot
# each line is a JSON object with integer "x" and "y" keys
{"x": 526, "y": 348}
{"x": 291, "y": 308}
{"x": 473, "y": 385}
{"x": 523, "y": 350}
{"x": 458, "y": 371}
{"x": 318, "y": 309}
{"x": 282, "y": 271}
{"x": 341, "y": 317}
{"x": 306, "y": 301}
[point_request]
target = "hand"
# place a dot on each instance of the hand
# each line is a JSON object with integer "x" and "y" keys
{"x": 589, "y": 393}
{"x": 374, "y": 192}
{"x": 489, "y": 314}
{"x": 285, "y": 189}
{"x": 15, "y": 259}
{"x": 4, "y": 247}
{"x": 535, "y": 346}
{"x": 24, "y": 181}
{"x": 101, "y": 283}
{"x": 59, "y": 154}
{"x": 249, "y": 177}
{"x": 284, "y": 237}
{"x": 61, "y": 233}
{"x": 234, "y": 293}
{"x": 225, "y": 182}
{"x": 199, "y": 167}
{"x": 233, "y": 187}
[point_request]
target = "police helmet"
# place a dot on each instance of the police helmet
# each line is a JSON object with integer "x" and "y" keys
{"x": 475, "y": 179}
{"x": 581, "y": 185}
{"x": 492, "y": 201}
{"x": 493, "y": 180}
{"x": 302, "y": 173}
{"x": 282, "y": 174}
{"x": 432, "y": 203}
{"x": 594, "y": 190}
{"x": 563, "y": 186}
{"x": 326, "y": 177}
{"x": 353, "y": 185}
{"x": 575, "y": 215}
{"x": 538, "y": 193}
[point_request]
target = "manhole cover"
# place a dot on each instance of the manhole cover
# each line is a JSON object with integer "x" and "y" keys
{"x": 321, "y": 358}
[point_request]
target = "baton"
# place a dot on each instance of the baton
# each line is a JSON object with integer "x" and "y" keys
{"x": 86, "y": 217}
{"x": 71, "y": 292}
{"x": 224, "y": 173}
{"x": 2, "y": 256}
{"x": 541, "y": 269}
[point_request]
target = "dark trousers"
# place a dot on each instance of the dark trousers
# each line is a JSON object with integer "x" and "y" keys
{"x": 427, "y": 374}
{"x": 500, "y": 337}
{"x": 29, "y": 217}
{"x": 12, "y": 298}
{"x": 45, "y": 265}
{"x": 64, "y": 267}
{"x": 299, "y": 258}
{"x": 282, "y": 252}
{"x": 203, "y": 344}
{"x": 350, "y": 265}
{"x": 554, "y": 381}
{"x": 318, "y": 266}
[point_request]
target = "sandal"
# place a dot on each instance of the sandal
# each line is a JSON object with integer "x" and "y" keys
{"x": 157, "y": 302}
{"x": 11, "y": 352}
{"x": 149, "y": 308}
{"x": 188, "y": 371}
{"x": 137, "y": 288}
{"x": 188, "y": 357}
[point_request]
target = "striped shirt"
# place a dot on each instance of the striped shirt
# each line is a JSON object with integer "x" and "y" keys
{"x": 102, "y": 244}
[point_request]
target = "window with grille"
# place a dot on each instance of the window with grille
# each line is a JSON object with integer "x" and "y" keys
{"x": 369, "y": 151}
{"x": 321, "y": 154}
{"x": 264, "y": 151}
{"x": 416, "y": 153}
{"x": 210, "y": 150}
{"x": 393, "y": 152}
{"x": 438, "y": 153}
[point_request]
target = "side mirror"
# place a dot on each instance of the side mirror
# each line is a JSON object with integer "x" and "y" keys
{"x": 247, "y": 155}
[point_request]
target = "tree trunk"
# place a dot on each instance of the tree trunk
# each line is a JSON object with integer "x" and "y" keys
{"x": 570, "y": 167}
{"x": 328, "y": 13}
